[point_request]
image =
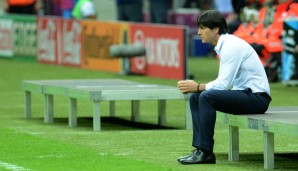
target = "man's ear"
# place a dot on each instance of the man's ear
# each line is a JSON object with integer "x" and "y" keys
{"x": 216, "y": 30}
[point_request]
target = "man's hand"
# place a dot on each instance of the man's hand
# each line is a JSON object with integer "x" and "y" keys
{"x": 187, "y": 86}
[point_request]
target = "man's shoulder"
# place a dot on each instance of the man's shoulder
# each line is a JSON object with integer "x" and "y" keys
{"x": 232, "y": 37}
{"x": 234, "y": 40}
{"x": 232, "y": 44}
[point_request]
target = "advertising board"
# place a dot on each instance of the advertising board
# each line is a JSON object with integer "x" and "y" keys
{"x": 165, "y": 51}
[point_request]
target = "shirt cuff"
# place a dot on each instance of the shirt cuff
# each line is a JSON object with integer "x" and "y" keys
{"x": 209, "y": 85}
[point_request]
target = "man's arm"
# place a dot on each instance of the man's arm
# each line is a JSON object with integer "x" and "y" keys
{"x": 190, "y": 86}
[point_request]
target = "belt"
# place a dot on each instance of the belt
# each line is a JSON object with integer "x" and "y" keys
{"x": 263, "y": 94}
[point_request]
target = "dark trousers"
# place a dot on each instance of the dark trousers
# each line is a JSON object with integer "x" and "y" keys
{"x": 205, "y": 104}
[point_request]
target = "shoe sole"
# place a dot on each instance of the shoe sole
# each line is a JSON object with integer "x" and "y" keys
{"x": 186, "y": 163}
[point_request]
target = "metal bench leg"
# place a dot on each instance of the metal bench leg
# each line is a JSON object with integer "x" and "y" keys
{"x": 96, "y": 116}
{"x": 112, "y": 108}
{"x": 72, "y": 118}
{"x": 162, "y": 104}
{"x": 135, "y": 110}
{"x": 268, "y": 150}
{"x": 233, "y": 143}
{"x": 49, "y": 109}
{"x": 27, "y": 104}
{"x": 188, "y": 117}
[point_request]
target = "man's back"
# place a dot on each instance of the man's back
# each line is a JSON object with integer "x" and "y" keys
{"x": 240, "y": 65}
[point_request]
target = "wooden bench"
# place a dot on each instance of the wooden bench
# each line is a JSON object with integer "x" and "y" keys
{"x": 282, "y": 120}
{"x": 102, "y": 89}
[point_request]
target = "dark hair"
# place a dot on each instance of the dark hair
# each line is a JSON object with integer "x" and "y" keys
{"x": 212, "y": 19}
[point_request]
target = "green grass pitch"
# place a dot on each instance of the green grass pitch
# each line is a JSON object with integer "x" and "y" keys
{"x": 121, "y": 145}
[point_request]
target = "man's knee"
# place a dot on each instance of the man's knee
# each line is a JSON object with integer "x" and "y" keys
{"x": 194, "y": 97}
{"x": 206, "y": 95}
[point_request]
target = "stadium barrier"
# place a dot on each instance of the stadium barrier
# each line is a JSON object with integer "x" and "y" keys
{"x": 85, "y": 44}
{"x": 18, "y": 38}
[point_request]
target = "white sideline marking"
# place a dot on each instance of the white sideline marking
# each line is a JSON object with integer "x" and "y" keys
{"x": 11, "y": 167}
{"x": 281, "y": 111}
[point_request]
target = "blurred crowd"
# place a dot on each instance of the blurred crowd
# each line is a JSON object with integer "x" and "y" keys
{"x": 78, "y": 9}
{"x": 237, "y": 12}
{"x": 262, "y": 26}
{"x": 259, "y": 22}
{"x": 244, "y": 13}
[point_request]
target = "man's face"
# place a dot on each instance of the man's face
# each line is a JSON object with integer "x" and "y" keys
{"x": 207, "y": 35}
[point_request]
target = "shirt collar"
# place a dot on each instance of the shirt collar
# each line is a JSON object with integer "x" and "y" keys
{"x": 220, "y": 41}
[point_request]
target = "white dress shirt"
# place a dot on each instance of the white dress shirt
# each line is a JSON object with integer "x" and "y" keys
{"x": 240, "y": 67}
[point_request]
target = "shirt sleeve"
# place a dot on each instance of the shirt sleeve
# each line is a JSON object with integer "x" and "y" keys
{"x": 230, "y": 61}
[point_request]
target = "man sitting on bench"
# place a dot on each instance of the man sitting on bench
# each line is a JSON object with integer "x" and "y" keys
{"x": 240, "y": 69}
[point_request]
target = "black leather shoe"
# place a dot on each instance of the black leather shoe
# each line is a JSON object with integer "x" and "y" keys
{"x": 198, "y": 157}
{"x": 184, "y": 157}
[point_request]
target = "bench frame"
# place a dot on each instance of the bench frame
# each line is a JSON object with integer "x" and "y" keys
{"x": 68, "y": 88}
{"x": 281, "y": 120}
{"x": 268, "y": 147}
